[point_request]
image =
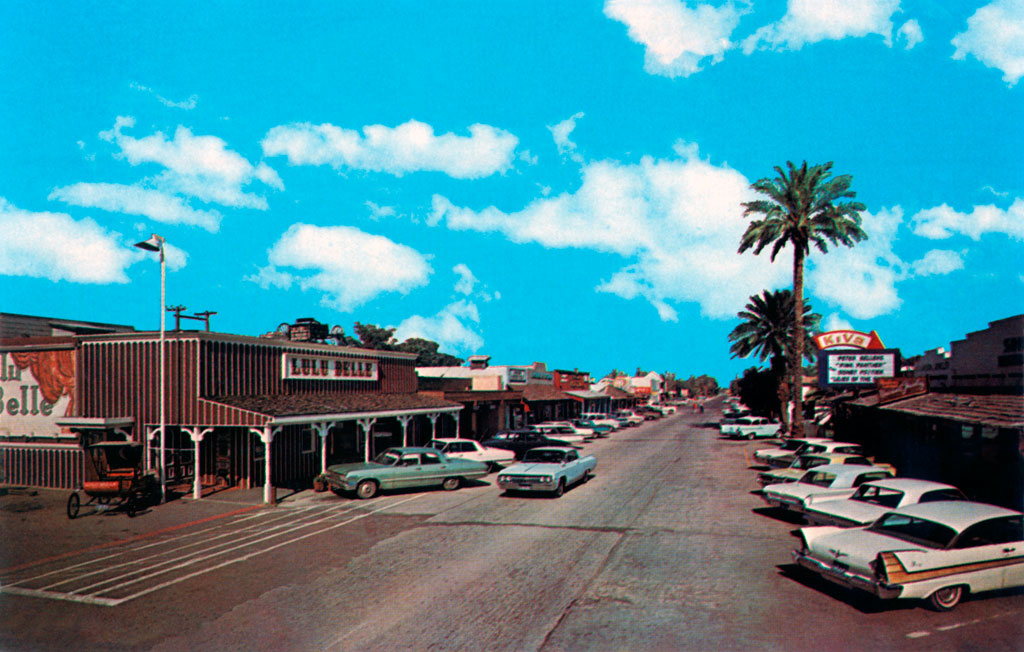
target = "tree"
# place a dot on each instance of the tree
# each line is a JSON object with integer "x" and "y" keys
{"x": 766, "y": 331}
{"x": 805, "y": 205}
{"x": 427, "y": 354}
{"x": 375, "y": 337}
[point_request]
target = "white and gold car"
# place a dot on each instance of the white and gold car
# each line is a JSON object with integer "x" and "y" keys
{"x": 938, "y": 551}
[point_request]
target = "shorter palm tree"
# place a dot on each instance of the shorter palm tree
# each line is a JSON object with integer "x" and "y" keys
{"x": 767, "y": 331}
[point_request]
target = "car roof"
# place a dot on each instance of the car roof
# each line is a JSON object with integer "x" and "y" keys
{"x": 564, "y": 449}
{"x": 910, "y": 484}
{"x": 848, "y": 469}
{"x": 411, "y": 449}
{"x": 958, "y": 514}
{"x": 451, "y": 439}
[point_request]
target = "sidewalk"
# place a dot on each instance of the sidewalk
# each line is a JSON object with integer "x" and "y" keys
{"x": 34, "y": 524}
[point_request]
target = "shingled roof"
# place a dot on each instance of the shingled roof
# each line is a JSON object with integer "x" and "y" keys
{"x": 288, "y": 405}
{"x": 544, "y": 393}
{"x": 998, "y": 410}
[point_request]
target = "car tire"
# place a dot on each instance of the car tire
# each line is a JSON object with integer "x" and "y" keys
{"x": 366, "y": 489}
{"x": 560, "y": 489}
{"x": 451, "y": 484}
{"x": 587, "y": 475}
{"x": 946, "y": 598}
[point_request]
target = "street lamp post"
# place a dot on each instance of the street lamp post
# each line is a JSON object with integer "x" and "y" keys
{"x": 156, "y": 243}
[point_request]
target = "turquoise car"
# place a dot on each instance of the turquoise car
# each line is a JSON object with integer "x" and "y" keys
{"x": 403, "y": 468}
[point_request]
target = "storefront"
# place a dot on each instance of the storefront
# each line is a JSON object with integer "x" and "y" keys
{"x": 237, "y": 410}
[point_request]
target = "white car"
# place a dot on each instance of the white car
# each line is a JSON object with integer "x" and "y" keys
{"x": 938, "y": 551}
{"x": 813, "y": 448}
{"x": 602, "y": 418}
{"x": 470, "y": 449}
{"x": 821, "y": 484}
{"x": 632, "y": 417}
{"x": 563, "y": 433}
{"x": 766, "y": 455}
{"x": 750, "y": 427}
{"x": 872, "y": 499}
{"x": 576, "y": 430}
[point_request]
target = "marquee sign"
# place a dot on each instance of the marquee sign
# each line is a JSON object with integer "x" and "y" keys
{"x": 856, "y": 369}
{"x": 296, "y": 366}
{"x": 848, "y": 339}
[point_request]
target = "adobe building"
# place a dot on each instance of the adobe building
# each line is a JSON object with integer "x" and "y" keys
{"x": 239, "y": 411}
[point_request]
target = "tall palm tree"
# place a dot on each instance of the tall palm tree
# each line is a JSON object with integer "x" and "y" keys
{"x": 766, "y": 330}
{"x": 805, "y": 205}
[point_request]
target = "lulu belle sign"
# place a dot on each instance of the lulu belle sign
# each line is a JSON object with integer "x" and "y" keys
{"x": 296, "y": 366}
{"x": 852, "y": 359}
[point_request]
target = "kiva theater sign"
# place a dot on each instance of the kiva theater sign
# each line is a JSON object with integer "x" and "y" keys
{"x": 295, "y": 366}
{"x": 850, "y": 359}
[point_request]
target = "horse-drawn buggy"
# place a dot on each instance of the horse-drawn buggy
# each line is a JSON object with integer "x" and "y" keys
{"x": 114, "y": 477}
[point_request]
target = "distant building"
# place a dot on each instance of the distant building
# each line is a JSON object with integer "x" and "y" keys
{"x": 986, "y": 361}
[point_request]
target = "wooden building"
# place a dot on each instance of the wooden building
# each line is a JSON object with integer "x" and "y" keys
{"x": 239, "y": 411}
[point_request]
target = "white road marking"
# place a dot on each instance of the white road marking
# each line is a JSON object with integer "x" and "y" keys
{"x": 263, "y": 534}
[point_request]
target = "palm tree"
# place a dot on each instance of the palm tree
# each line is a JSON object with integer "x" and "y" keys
{"x": 766, "y": 330}
{"x": 805, "y": 205}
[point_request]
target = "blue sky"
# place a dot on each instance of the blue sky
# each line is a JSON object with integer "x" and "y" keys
{"x": 552, "y": 181}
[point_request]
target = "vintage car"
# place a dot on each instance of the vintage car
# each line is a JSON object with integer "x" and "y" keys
{"x": 565, "y": 433}
{"x": 820, "y": 484}
{"x": 520, "y": 441}
{"x": 469, "y": 449}
{"x": 548, "y": 469}
{"x": 603, "y": 419}
{"x": 826, "y": 446}
{"x": 573, "y": 428}
{"x": 766, "y": 455}
{"x": 938, "y": 551}
{"x": 631, "y": 417}
{"x": 750, "y": 427}
{"x": 795, "y": 471}
{"x": 600, "y": 429}
{"x": 402, "y": 468}
{"x": 872, "y": 499}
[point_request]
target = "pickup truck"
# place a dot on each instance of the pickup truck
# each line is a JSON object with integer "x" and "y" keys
{"x": 549, "y": 469}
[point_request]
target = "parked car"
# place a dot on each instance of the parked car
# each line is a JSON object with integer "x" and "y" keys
{"x": 821, "y": 484}
{"x": 872, "y": 499}
{"x": 632, "y": 418}
{"x": 795, "y": 471}
{"x": 787, "y": 446}
{"x": 469, "y": 449}
{"x": 575, "y": 429}
{"x": 826, "y": 446}
{"x": 600, "y": 429}
{"x": 402, "y": 468}
{"x": 665, "y": 409}
{"x": 604, "y": 419}
{"x": 751, "y": 427}
{"x": 565, "y": 433}
{"x": 520, "y": 441}
{"x": 548, "y": 469}
{"x": 938, "y": 551}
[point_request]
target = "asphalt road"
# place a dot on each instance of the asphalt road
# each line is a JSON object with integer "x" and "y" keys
{"x": 666, "y": 548}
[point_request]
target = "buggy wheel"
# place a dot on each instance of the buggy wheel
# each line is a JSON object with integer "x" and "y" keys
{"x": 74, "y": 504}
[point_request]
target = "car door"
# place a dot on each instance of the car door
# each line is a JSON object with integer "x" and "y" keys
{"x": 403, "y": 474}
{"x": 988, "y": 550}
{"x": 573, "y": 468}
{"x": 431, "y": 471}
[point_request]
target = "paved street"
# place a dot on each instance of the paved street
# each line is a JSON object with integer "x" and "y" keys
{"x": 666, "y": 548}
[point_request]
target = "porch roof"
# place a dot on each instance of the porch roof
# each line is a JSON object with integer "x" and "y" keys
{"x": 283, "y": 409}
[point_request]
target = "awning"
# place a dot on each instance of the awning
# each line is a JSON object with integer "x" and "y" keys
{"x": 95, "y": 423}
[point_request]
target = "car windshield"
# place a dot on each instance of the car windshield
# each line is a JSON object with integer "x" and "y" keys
{"x": 793, "y": 445}
{"x": 809, "y": 462}
{"x": 818, "y": 478}
{"x": 543, "y": 456}
{"x": 878, "y": 496}
{"x": 439, "y": 445}
{"x": 387, "y": 458}
{"x": 914, "y": 530}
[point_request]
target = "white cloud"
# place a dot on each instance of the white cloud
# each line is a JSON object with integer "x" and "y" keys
{"x": 466, "y": 280}
{"x": 57, "y": 247}
{"x": 187, "y": 105}
{"x": 938, "y": 262}
{"x": 677, "y": 39}
{"x": 380, "y": 212}
{"x": 995, "y": 36}
{"x": 834, "y": 322}
{"x": 196, "y": 166}
{"x": 677, "y": 221}
{"x": 910, "y": 34}
{"x": 811, "y": 21}
{"x": 561, "y": 132}
{"x": 943, "y": 222}
{"x": 135, "y": 200}
{"x": 409, "y": 147}
{"x": 448, "y": 327}
{"x": 349, "y": 266}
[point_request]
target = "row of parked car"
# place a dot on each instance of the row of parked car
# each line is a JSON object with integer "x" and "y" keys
{"x": 888, "y": 536}
{"x": 542, "y": 458}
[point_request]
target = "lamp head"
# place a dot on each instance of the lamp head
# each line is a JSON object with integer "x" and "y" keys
{"x": 155, "y": 243}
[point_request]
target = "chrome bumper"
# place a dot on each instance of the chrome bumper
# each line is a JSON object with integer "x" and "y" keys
{"x": 844, "y": 577}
